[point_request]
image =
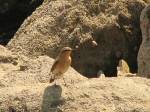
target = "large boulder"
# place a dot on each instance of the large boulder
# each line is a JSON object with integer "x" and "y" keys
{"x": 144, "y": 52}
{"x": 18, "y": 73}
{"x": 114, "y": 25}
{"x": 18, "y": 69}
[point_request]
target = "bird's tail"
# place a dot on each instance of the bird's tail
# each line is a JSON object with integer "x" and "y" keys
{"x": 51, "y": 78}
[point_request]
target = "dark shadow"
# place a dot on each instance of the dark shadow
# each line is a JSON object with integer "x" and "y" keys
{"x": 52, "y": 99}
{"x": 11, "y": 109}
{"x": 88, "y": 60}
{"x": 15, "y": 12}
{"x": 134, "y": 39}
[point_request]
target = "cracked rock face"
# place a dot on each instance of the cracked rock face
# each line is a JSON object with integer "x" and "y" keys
{"x": 24, "y": 87}
{"x": 144, "y": 52}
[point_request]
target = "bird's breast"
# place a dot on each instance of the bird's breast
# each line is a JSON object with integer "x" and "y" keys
{"x": 62, "y": 66}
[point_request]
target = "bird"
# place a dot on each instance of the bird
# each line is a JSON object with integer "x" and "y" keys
{"x": 100, "y": 74}
{"x": 123, "y": 67}
{"x": 61, "y": 64}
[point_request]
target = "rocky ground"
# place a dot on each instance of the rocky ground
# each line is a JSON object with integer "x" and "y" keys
{"x": 24, "y": 87}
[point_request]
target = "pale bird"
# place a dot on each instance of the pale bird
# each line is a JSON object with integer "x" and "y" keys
{"x": 61, "y": 64}
{"x": 123, "y": 68}
{"x": 100, "y": 74}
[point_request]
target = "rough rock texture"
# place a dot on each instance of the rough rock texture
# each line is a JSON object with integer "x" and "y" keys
{"x": 12, "y": 14}
{"x": 24, "y": 87}
{"x": 144, "y": 52}
{"x": 113, "y": 24}
{"x": 19, "y": 74}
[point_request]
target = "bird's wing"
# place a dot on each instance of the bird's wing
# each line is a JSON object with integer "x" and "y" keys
{"x": 54, "y": 65}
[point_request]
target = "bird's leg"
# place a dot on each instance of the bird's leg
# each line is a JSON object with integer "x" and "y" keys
{"x": 55, "y": 83}
{"x": 64, "y": 81}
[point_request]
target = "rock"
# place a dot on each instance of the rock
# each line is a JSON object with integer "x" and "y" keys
{"x": 75, "y": 23}
{"x": 16, "y": 78}
{"x": 144, "y": 52}
{"x": 37, "y": 70}
{"x": 28, "y": 90}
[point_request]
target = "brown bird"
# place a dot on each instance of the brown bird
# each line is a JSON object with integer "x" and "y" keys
{"x": 61, "y": 64}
